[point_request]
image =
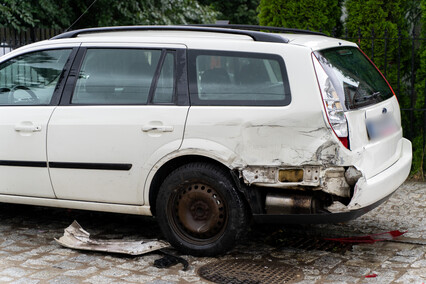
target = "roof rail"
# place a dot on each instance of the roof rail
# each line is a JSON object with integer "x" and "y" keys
{"x": 261, "y": 28}
{"x": 255, "y": 35}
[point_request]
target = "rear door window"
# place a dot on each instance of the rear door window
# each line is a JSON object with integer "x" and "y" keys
{"x": 116, "y": 76}
{"x": 236, "y": 78}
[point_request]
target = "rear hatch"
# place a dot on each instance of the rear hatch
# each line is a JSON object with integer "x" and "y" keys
{"x": 360, "y": 106}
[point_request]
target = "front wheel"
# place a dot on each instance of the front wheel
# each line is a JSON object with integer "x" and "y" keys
{"x": 200, "y": 211}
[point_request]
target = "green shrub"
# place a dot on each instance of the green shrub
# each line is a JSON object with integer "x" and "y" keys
{"x": 302, "y": 14}
{"x": 419, "y": 150}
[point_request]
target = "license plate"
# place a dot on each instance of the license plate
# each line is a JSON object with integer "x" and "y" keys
{"x": 381, "y": 127}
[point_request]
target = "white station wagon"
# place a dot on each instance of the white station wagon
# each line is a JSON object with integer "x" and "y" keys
{"x": 206, "y": 128}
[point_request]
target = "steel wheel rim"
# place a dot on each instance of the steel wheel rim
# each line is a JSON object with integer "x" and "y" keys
{"x": 198, "y": 213}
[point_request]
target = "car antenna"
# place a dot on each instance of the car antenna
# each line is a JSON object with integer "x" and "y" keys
{"x": 81, "y": 15}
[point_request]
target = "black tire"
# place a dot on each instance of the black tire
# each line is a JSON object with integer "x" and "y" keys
{"x": 199, "y": 210}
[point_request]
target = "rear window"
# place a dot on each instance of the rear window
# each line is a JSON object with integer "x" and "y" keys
{"x": 236, "y": 78}
{"x": 356, "y": 81}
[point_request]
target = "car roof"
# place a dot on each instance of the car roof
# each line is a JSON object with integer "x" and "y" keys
{"x": 191, "y": 35}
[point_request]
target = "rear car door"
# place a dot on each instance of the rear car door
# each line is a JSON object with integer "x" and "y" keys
{"x": 29, "y": 87}
{"x": 120, "y": 107}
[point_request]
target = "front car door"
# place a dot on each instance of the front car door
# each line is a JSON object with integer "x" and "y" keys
{"x": 29, "y": 85}
{"x": 120, "y": 107}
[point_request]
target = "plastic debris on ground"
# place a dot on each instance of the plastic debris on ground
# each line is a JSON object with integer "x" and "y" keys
{"x": 75, "y": 237}
{"x": 373, "y": 275}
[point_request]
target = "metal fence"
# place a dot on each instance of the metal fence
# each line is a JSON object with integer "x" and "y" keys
{"x": 11, "y": 38}
{"x": 404, "y": 87}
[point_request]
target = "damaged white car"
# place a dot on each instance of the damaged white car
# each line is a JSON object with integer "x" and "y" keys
{"x": 205, "y": 128}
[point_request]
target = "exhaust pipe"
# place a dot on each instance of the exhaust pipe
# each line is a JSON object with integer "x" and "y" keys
{"x": 276, "y": 203}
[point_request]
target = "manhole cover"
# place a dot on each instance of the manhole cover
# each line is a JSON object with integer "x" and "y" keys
{"x": 249, "y": 272}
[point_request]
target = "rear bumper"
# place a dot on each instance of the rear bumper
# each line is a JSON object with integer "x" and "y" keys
{"x": 369, "y": 191}
{"x": 368, "y": 194}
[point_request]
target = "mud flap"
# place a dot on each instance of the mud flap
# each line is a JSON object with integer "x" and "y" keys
{"x": 75, "y": 237}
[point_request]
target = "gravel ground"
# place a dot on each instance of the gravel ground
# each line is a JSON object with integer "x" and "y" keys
{"x": 29, "y": 254}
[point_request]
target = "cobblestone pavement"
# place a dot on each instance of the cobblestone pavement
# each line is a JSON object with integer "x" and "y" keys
{"x": 29, "y": 254}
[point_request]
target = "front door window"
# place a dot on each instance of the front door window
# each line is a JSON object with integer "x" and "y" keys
{"x": 31, "y": 79}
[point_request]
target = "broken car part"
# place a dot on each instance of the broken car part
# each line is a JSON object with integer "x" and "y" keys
{"x": 75, "y": 237}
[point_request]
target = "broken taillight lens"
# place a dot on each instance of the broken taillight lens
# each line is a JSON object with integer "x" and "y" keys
{"x": 332, "y": 104}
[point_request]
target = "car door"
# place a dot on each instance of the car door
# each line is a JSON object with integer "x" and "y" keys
{"x": 120, "y": 107}
{"x": 29, "y": 88}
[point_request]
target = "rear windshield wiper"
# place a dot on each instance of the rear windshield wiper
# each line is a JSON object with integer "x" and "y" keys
{"x": 374, "y": 96}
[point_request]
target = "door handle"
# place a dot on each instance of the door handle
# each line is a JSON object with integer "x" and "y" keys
{"x": 160, "y": 128}
{"x": 25, "y": 127}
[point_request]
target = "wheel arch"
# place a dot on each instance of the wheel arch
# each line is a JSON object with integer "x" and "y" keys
{"x": 172, "y": 164}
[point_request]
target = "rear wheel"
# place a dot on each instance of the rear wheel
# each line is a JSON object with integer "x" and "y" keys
{"x": 200, "y": 211}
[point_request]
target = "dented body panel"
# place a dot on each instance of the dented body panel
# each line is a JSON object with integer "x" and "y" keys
{"x": 297, "y": 137}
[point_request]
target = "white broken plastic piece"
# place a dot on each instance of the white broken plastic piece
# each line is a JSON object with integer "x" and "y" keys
{"x": 76, "y": 237}
{"x": 337, "y": 207}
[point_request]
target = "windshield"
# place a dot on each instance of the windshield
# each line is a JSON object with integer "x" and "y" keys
{"x": 356, "y": 81}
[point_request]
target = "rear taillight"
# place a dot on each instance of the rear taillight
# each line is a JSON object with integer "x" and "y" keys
{"x": 332, "y": 104}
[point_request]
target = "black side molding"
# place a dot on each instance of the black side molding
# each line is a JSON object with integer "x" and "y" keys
{"x": 91, "y": 166}
{"x": 67, "y": 165}
{"x": 31, "y": 164}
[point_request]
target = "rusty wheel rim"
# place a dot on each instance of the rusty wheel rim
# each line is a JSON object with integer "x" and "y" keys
{"x": 198, "y": 213}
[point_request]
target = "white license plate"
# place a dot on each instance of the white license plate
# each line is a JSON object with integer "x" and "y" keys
{"x": 381, "y": 127}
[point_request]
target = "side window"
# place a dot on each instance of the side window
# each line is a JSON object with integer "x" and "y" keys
{"x": 31, "y": 79}
{"x": 116, "y": 76}
{"x": 164, "y": 93}
{"x": 233, "y": 78}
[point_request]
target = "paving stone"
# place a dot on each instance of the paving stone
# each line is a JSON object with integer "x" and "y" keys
{"x": 64, "y": 280}
{"x": 84, "y": 258}
{"x": 413, "y": 276}
{"x": 36, "y": 263}
{"x": 115, "y": 272}
{"x": 328, "y": 261}
{"x": 53, "y": 258}
{"x": 140, "y": 278}
{"x": 404, "y": 259}
{"x": 81, "y": 272}
{"x": 383, "y": 276}
{"x": 98, "y": 279}
{"x": 68, "y": 265}
{"x": 46, "y": 274}
{"x": 390, "y": 264}
{"x": 338, "y": 278}
{"x": 25, "y": 281}
{"x": 14, "y": 272}
{"x": 6, "y": 243}
{"x": 419, "y": 264}
{"x": 351, "y": 270}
